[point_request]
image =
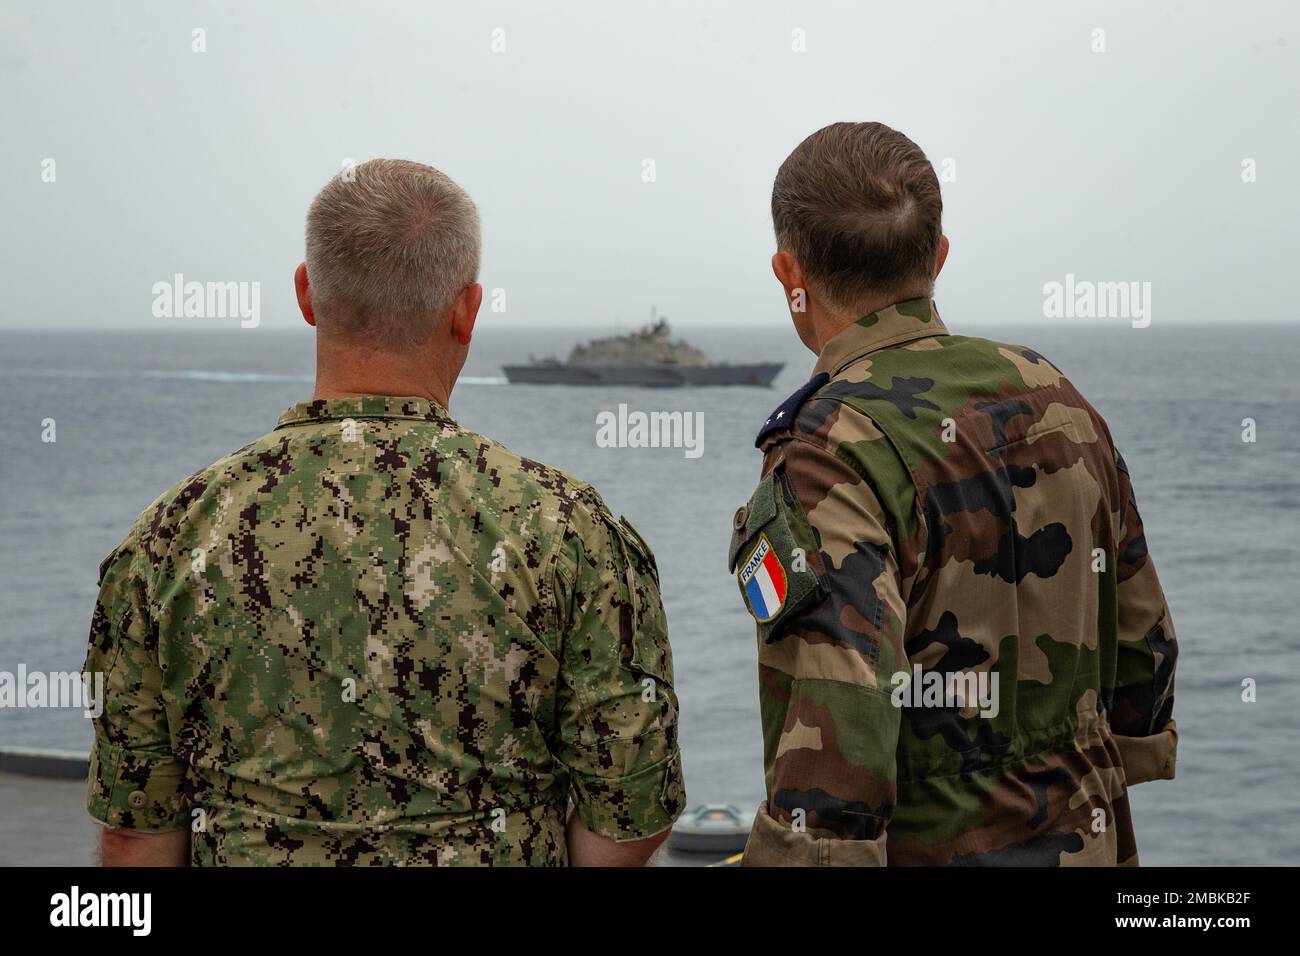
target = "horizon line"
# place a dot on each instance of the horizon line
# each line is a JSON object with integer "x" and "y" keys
{"x": 169, "y": 326}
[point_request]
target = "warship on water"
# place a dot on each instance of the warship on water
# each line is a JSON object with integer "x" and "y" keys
{"x": 649, "y": 356}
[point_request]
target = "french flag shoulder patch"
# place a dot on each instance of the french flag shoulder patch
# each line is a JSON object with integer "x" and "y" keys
{"x": 763, "y": 580}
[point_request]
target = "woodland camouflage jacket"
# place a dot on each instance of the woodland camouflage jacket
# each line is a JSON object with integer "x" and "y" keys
{"x": 952, "y": 511}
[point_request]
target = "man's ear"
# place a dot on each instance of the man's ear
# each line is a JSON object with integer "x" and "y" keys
{"x": 788, "y": 272}
{"x": 942, "y": 257}
{"x": 304, "y": 293}
{"x": 464, "y": 311}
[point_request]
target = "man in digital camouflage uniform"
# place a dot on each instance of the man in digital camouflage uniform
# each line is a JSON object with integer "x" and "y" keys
{"x": 952, "y": 511}
{"x": 371, "y": 636}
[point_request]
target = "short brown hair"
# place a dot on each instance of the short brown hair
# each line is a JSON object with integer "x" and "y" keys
{"x": 858, "y": 205}
{"x": 390, "y": 244}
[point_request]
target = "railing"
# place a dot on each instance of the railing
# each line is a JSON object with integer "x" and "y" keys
{"x": 39, "y": 762}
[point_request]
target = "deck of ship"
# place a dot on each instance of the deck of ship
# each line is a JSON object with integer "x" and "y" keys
{"x": 43, "y": 819}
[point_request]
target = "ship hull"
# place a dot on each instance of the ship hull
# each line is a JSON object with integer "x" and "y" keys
{"x": 648, "y": 376}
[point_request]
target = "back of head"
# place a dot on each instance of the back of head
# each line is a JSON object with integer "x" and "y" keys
{"x": 858, "y": 205}
{"x": 390, "y": 244}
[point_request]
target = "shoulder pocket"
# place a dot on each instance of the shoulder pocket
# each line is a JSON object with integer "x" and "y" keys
{"x": 770, "y": 543}
{"x": 639, "y": 546}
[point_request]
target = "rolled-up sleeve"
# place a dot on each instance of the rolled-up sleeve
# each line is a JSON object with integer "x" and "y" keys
{"x": 617, "y": 708}
{"x": 1142, "y": 700}
{"x": 135, "y": 781}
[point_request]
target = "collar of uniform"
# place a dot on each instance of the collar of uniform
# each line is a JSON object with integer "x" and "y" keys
{"x": 364, "y": 406}
{"x": 894, "y": 325}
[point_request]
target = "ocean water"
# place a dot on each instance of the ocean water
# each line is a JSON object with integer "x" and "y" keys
{"x": 135, "y": 411}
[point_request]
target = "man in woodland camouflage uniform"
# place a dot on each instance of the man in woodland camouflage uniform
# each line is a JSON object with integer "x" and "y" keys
{"x": 374, "y": 637}
{"x": 965, "y": 656}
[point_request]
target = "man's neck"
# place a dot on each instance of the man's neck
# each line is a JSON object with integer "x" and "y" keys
{"x": 828, "y": 324}
{"x": 326, "y": 390}
{"x": 352, "y": 372}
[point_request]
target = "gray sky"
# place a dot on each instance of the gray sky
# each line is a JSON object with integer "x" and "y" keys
{"x": 1122, "y": 165}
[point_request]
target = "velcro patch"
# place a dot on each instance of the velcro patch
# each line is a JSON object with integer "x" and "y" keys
{"x": 763, "y": 580}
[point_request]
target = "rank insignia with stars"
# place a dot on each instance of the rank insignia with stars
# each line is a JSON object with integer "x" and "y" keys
{"x": 783, "y": 416}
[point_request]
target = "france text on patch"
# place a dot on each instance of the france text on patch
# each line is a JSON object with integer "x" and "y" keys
{"x": 763, "y": 580}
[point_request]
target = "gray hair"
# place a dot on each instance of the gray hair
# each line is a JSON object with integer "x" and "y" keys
{"x": 390, "y": 244}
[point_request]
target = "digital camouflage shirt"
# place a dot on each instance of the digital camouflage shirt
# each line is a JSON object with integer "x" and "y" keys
{"x": 373, "y": 637}
{"x": 952, "y": 511}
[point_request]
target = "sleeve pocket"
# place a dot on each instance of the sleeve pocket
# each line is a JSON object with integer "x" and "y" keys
{"x": 769, "y": 554}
